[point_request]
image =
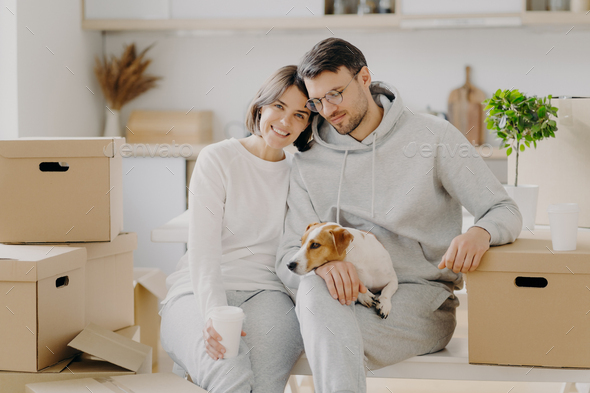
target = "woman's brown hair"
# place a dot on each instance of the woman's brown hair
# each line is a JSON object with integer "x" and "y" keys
{"x": 270, "y": 91}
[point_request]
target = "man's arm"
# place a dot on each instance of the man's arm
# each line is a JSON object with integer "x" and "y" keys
{"x": 470, "y": 181}
{"x": 340, "y": 276}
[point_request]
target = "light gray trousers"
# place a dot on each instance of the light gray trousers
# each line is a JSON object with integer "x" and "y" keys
{"x": 345, "y": 343}
{"x": 267, "y": 353}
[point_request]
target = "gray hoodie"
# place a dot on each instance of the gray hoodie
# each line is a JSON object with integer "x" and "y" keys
{"x": 405, "y": 183}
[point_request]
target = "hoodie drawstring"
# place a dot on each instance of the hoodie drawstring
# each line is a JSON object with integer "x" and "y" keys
{"x": 340, "y": 188}
{"x": 373, "y": 179}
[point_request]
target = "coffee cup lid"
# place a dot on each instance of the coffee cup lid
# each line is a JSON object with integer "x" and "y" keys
{"x": 563, "y": 208}
{"x": 227, "y": 313}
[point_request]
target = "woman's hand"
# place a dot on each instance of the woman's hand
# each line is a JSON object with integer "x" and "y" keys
{"x": 212, "y": 340}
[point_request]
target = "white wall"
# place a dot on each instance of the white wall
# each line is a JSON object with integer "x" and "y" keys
{"x": 425, "y": 65}
{"x": 52, "y": 101}
{"x": 8, "y": 70}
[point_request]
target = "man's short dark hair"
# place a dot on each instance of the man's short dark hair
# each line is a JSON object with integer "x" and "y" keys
{"x": 329, "y": 55}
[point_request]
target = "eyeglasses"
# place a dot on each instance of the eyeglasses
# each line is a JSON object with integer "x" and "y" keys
{"x": 333, "y": 97}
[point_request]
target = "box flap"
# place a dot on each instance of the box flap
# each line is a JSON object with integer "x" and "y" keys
{"x": 124, "y": 242}
{"x": 60, "y": 147}
{"x": 113, "y": 348}
{"x": 152, "y": 279}
{"x": 156, "y": 383}
{"x": 33, "y": 263}
{"x": 534, "y": 254}
{"x": 130, "y": 332}
{"x": 148, "y": 383}
{"x": 59, "y": 367}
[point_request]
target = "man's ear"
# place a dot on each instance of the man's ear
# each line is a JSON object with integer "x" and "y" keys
{"x": 365, "y": 76}
{"x": 342, "y": 239}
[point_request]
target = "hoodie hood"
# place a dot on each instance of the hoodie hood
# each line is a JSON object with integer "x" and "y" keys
{"x": 387, "y": 97}
{"x": 384, "y": 95}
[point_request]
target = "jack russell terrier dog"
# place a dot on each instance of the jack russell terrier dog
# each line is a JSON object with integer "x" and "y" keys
{"x": 325, "y": 242}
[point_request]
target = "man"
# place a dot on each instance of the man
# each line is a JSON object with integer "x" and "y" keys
{"x": 376, "y": 166}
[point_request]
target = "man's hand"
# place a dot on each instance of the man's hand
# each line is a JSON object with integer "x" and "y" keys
{"x": 212, "y": 340}
{"x": 342, "y": 281}
{"x": 466, "y": 250}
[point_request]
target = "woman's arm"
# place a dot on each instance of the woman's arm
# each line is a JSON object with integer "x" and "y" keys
{"x": 206, "y": 205}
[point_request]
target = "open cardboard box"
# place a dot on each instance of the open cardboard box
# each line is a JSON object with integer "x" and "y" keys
{"x": 61, "y": 189}
{"x": 147, "y": 383}
{"x": 150, "y": 289}
{"x": 106, "y": 354}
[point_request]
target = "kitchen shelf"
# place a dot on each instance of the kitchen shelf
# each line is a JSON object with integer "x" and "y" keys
{"x": 531, "y": 18}
{"x": 317, "y": 22}
{"x": 330, "y": 22}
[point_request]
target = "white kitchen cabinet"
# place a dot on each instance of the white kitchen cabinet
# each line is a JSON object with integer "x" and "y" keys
{"x": 126, "y": 9}
{"x": 154, "y": 191}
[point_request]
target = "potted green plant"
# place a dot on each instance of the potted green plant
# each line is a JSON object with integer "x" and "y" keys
{"x": 519, "y": 121}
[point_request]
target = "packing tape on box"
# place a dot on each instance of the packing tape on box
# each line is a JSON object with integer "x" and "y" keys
{"x": 113, "y": 385}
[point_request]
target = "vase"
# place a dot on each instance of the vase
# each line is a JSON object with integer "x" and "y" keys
{"x": 112, "y": 125}
{"x": 525, "y": 196}
{"x": 579, "y": 6}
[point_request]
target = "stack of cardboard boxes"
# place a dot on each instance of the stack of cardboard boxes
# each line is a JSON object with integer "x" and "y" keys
{"x": 66, "y": 267}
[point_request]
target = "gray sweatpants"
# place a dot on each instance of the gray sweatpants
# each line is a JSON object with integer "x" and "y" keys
{"x": 345, "y": 343}
{"x": 267, "y": 353}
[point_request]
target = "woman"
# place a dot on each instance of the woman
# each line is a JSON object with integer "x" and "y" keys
{"x": 237, "y": 204}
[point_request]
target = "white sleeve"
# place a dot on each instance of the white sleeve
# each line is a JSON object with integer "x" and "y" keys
{"x": 206, "y": 208}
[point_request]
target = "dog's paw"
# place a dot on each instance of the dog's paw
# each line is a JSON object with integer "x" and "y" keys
{"x": 383, "y": 307}
{"x": 367, "y": 299}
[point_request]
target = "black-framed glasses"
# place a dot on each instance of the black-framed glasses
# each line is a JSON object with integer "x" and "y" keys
{"x": 333, "y": 97}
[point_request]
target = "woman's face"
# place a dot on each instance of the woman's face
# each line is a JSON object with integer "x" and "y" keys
{"x": 282, "y": 121}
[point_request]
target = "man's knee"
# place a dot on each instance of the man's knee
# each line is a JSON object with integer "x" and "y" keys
{"x": 310, "y": 288}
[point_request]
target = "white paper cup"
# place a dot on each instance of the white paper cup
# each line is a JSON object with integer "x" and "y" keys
{"x": 563, "y": 220}
{"x": 227, "y": 321}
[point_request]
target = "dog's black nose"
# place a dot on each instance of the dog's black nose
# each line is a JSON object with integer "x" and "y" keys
{"x": 292, "y": 265}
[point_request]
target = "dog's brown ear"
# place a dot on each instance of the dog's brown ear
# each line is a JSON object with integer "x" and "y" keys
{"x": 311, "y": 225}
{"x": 342, "y": 239}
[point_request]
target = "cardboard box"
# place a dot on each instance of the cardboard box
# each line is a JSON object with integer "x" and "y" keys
{"x": 560, "y": 166}
{"x": 528, "y": 305}
{"x": 61, "y": 190}
{"x": 166, "y": 127}
{"x": 150, "y": 289}
{"x": 81, "y": 366}
{"x": 42, "y": 303}
{"x": 109, "y": 281}
{"x": 149, "y": 383}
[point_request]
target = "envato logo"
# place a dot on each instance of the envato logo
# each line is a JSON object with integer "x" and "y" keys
{"x": 164, "y": 150}
{"x": 463, "y": 150}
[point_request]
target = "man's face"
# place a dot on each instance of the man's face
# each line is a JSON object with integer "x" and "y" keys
{"x": 346, "y": 116}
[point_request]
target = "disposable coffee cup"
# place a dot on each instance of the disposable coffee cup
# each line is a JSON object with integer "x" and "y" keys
{"x": 563, "y": 221}
{"x": 227, "y": 321}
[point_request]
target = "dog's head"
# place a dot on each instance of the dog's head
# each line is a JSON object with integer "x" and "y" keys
{"x": 321, "y": 243}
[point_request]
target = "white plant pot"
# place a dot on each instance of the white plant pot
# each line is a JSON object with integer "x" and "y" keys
{"x": 112, "y": 127}
{"x": 525, "y": 197}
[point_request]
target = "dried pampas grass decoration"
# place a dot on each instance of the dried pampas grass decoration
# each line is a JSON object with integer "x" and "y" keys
{"x": 122, "y": 80}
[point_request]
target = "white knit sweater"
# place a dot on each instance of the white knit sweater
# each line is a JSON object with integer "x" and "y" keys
{"x": 237, "y": 205}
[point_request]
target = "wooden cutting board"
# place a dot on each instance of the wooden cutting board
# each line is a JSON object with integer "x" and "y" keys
{"x": 466, "y": 112}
